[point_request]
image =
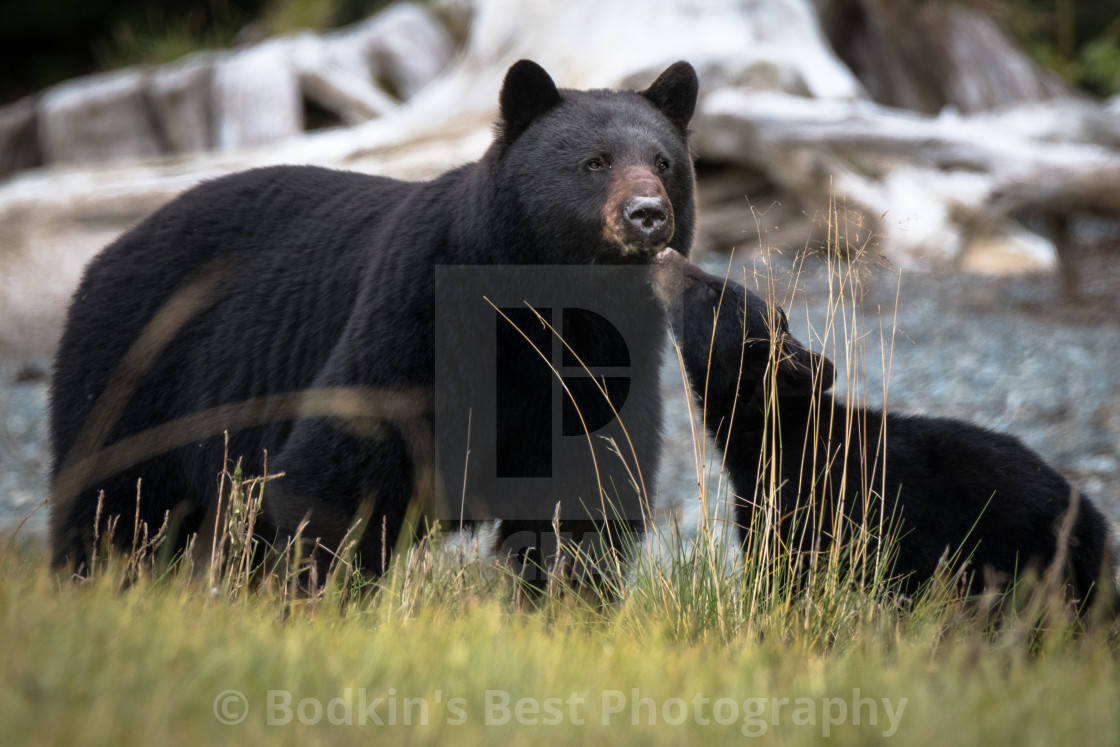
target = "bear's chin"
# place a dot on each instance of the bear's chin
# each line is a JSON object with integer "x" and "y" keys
{"x": 615, "y": 253}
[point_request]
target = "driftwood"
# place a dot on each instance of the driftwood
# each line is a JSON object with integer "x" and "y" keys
{"x": 926, "y": 186}
{"x": 925, "y": 56}
{"x": 1057, "y": 193}
{"x": 19, "y": 142}
{"x": 230, "y": 100}
{"x": 783, "y": 128}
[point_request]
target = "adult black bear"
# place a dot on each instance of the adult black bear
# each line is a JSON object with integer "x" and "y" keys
{"x": 947, "y": 485}
{"x": 295, "y": 308}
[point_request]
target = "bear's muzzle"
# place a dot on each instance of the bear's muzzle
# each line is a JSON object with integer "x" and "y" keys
{"x": 638, "y": 215}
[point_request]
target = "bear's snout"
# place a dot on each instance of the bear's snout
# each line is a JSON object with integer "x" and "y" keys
{"x": 638, "y": 215}
{"x": 649, "y": 216}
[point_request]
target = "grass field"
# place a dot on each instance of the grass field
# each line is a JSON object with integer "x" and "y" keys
{"x": 448, "y": 651}
{"x": 697, "y": 646}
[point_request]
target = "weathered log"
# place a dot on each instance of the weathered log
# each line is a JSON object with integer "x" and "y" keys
{"x": 777, "y": 105}
{"x": 247, "y": 98}
{"x": 404, "y": 48}
{"x": 923, "y": 56}
{"x": 1056, "y": 193}
{"x": 254, "y": 82}
{"x": 99, "y": 118}
{"x": 19, "y": 140}
{"x": 928, "y": 186}
{"x": 179, "y": 96}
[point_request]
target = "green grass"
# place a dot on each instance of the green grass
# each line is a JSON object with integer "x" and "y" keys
{"x": 699, "y": 645}
{"x": 447, "y": 648}
{"x": 452, "y": 649}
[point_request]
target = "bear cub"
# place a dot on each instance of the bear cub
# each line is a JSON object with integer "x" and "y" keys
{"x": 944, "y": 485}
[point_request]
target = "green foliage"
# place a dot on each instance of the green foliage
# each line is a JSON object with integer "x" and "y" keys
{"x": 280, "y": 16}
{"x": 159, "y": 36}
{"x": 1078, "y": 39}
{"x": 44, "y": 42}
{"x": 47, "y": 41}
{"x": 1100, "y": 62}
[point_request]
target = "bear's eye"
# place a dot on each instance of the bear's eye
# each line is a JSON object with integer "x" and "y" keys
{"x": 595, "y": 164}
{"x": 662, "y": 164}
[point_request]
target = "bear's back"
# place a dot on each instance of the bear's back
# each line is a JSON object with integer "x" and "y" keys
{"x": 218, "y": 267}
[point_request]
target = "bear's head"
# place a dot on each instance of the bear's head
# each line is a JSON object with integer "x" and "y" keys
{"x": 734, "y": 357}
{"x": 596, "y": 176}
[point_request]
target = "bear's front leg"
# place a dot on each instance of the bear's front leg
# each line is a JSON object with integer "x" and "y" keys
{"x": 353, "y": 480}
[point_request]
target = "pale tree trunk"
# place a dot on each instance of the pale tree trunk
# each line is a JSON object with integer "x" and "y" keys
{"x": 926, "y": 56}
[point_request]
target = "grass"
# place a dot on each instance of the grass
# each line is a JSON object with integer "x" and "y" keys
{"x": 697, "y": 648}
{"x": 453, "y": 655}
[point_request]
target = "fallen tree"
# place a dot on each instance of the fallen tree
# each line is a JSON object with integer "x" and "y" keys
{"x": 782, "y": 119}
{"x": 927, "y": 187}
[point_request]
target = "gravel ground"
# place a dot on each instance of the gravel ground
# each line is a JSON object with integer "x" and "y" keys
{"x": 24, "y": 456}
{"x": 1008, "y": 353}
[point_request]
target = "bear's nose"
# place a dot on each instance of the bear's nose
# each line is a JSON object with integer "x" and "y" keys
{"x": 647, "y": 214}
{"x": 649, "y": 221}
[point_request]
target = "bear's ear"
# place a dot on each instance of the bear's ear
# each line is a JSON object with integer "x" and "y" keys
{"x": 800, "y": 369}
{"x": 674, "y": 93}
{"x": 527, "y": 93}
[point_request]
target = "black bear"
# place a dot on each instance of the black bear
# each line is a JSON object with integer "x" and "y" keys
{"x": 944, "y": 485}
{"x": 295, "y": 309}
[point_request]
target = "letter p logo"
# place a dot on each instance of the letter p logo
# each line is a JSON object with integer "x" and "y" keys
{"x": 589, "y": 380}
{"x": 537, "y": 373}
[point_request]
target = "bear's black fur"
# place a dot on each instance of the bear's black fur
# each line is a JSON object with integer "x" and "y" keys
{"x": 946, "y": 485}
{"x": 293, "y": 307}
